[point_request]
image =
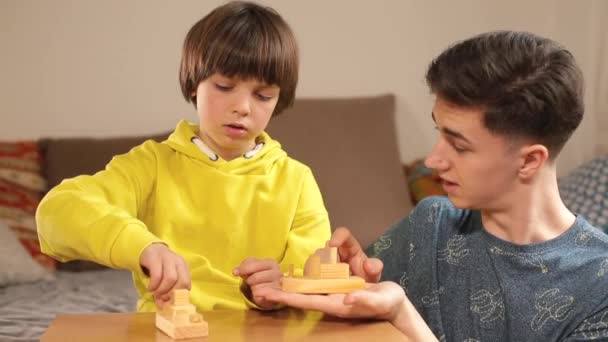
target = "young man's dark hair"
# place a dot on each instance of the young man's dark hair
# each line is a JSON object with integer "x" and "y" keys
{"x": 528, "y": 86}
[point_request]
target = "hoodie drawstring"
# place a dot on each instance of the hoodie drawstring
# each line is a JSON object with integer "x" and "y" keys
{"x": 214, "y": 157}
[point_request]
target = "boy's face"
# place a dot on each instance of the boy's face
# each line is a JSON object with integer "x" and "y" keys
{"x": 478, "y": 168}
{"x": 233, "y": 112}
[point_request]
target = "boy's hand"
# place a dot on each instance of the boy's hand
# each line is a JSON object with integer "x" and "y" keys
{"x": 258, "y": 274}
{"x": 350, "y": 252}
{"x": 167, "y": 271}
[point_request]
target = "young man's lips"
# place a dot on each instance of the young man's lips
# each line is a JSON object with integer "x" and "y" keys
{"x": 448, "y": 186}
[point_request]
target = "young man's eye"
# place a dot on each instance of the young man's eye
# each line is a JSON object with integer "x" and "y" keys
{"x": 457, "y": 148}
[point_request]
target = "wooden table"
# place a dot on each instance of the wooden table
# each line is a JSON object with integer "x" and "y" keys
{"x": 225, "y": 326}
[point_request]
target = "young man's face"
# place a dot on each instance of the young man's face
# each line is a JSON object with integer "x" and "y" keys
{"x": 478, "y": 168}
{"x": 233, "y": 112}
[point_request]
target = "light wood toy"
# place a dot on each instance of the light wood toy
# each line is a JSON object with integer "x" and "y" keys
{"x": 179, "y": 318}
{"x": 323, "y": 273}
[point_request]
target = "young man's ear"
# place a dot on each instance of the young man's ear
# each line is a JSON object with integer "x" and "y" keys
{"x": 533, "y": 157}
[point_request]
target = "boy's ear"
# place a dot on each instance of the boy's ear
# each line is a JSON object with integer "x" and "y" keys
{"x": 533, "y": 158}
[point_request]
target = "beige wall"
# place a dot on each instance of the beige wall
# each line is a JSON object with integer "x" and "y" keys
{"x": 98, "y": 68}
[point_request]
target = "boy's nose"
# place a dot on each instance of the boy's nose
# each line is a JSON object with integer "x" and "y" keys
{"x": 242, "y": 106}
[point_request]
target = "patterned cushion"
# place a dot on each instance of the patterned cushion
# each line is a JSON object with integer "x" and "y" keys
{"x": 16, "y": 265}
{"x": 422, "y": 181}
{"x": 21, "y": 187}
{"x": 585, "y": 191}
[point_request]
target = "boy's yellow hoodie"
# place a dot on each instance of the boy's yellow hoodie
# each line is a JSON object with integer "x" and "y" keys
{"x": 212, "y": 213}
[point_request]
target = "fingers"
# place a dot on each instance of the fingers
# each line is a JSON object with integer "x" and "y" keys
{"x": 272, "y": 294}
{"x": 350, "y": 252}
{"x": 339, "y": 236}
{"x": 160, "y": 303}
{"x": 373, "y": 269}
{"x": 254, "y": 265}
{"x": 184, "y": 280}
{"x": 368, "y": 300}
{"x": 156, "y": 274}
{"x": 258, "y": 271}
{"x": 257, "y": 275}
{"x": 303, "y": 301}
{"x": 261, "y": 300}
{"x": 152, "y": 265}
{"x": 331, "y": 304}
{"x": 367, "y": 304}
{"x": 169, "y": 277}
{"x": 176, "y": 275}
{"x": 355, "y": 297}
{"x": 347, "y": 245}
{"x": 167, "y": 270}
{"x": 381, "y": 300}
{"x": 267, "y": 276}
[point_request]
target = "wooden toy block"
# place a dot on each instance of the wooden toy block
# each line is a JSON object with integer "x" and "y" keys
{"x": 323, "y": 273}
{"x": 328, "y": 255}
{"x": 179, "y": 319}
{"x": 322, "y": 286}
{"x": 335, "y": 271}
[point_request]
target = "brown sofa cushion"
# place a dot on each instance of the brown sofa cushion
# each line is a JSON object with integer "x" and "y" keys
{"x": 70, "y": 157}
{"x": 351, "y": 146}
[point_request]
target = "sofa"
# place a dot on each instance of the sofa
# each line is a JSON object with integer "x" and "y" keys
{"x": 349, "y": 143}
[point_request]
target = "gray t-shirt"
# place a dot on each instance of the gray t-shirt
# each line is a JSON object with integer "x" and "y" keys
{"x": 471, "y": 286}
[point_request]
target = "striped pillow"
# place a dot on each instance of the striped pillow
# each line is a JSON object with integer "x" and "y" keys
{"x": 21, "y": 188}
{"x": 585, "y": 191}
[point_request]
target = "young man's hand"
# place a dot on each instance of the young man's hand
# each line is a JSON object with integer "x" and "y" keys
{"x": 385, "y": 301}
{"x": 258, "y": 274}
{"x": 379, "y": 300}
{"x": 167, "y": 270}
{"x": 350, "y": 252}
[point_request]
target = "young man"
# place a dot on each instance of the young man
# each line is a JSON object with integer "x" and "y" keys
{"x": 503, "y": 259}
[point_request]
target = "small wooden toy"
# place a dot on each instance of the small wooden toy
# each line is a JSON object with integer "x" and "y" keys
{"x": 179, "y": 318}
{"x": 323, "y": 273}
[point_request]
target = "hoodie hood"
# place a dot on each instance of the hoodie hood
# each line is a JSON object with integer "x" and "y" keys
{"x": 182, "y": 141}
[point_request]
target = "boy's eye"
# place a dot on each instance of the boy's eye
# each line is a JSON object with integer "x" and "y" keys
{"x": 264, "y": 97}
{"x": 223, "y": 87}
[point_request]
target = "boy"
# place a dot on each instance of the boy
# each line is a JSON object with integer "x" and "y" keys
{"x": 503, "y": 259}
{"x": 190, "y": 209}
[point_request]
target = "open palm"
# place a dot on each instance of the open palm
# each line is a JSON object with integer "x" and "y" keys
{"x": 380, "y": 300}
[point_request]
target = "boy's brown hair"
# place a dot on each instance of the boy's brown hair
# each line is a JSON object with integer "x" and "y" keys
{"x": 244, "y": 40}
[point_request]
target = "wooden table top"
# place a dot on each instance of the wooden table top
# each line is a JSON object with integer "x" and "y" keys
{"x": 224, "y": 325}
